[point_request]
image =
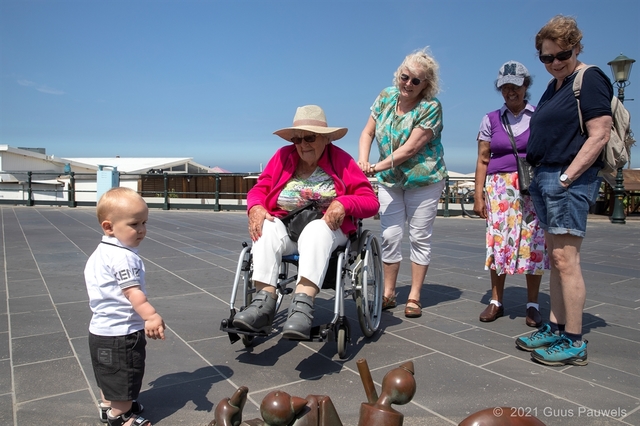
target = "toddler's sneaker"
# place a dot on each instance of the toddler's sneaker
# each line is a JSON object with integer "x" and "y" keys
{"x": 136, "y": 408}
{"x": 563, "y": 352}
{"x": 538, "y": 339}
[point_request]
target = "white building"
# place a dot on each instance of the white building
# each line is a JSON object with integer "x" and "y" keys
{"x": 50, "y": 175}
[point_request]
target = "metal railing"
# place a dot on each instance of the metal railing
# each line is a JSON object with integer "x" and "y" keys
{"x": 80, "y": 190}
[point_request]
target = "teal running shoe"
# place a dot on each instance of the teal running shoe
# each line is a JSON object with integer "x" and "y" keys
{"x": 540, "y": 338}
{"x": 563, "y": 352}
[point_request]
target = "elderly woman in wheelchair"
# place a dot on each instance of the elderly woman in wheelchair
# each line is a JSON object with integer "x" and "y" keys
{"x": 311, "y": 169}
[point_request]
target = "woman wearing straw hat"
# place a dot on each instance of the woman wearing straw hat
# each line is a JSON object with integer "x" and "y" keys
{"x": 309, "y": 169}
{"x": 406, "y": 120}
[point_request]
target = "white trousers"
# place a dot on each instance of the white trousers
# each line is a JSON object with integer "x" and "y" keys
{"x": 315, "y": 245}
{"x": 417, "y": 208}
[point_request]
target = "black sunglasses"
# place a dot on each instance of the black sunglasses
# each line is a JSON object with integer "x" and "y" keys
{"x": 414, "y": 81}
{"x": 298, "y": 140}
{"x": 562, "y": 56}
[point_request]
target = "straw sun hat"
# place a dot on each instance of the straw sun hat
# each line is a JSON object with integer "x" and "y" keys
{"x": 311, "y": 118}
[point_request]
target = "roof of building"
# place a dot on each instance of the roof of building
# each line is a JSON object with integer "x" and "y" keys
{"x": 137, "y": 164}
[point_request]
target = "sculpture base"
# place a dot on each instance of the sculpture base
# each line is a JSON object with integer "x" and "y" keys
{"x": 373, "y": 415}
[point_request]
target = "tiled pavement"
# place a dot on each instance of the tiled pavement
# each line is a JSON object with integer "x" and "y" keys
{"x": 461, "y": 365}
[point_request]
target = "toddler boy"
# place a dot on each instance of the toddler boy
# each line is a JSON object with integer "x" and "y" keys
{"x": 122, "y": 315}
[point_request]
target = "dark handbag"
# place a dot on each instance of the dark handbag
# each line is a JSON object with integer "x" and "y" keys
{"x": 297, "y": 219}
{"x": 525, "y": 171}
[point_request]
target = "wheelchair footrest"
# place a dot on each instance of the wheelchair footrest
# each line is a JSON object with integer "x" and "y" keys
{"x": 319, "y": 333}
{"x": 226, "y": 326}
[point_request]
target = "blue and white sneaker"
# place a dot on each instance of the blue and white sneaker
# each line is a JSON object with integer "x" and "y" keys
{"x": 540, "y": 338}
{"x": 563, "y": 352}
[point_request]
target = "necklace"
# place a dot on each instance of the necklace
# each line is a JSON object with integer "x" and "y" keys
{"x": 517, "y": 114}
{"x": 400, "y": 109}
{"x": 304, "y": 175}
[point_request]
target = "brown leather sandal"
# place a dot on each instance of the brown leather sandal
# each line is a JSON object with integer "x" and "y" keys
{"x": 388, "y": 302}
{"x": 410, "y": 312}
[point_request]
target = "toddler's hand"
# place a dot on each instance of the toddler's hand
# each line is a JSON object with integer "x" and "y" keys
{"x": 154, "y": 327}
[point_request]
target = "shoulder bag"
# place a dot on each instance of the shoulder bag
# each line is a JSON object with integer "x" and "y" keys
{"x": 297, "y": 219}
{"x": 525, "y": 171}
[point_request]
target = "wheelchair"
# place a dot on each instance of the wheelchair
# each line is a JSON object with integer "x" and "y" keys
{"x": 354, "y": 270}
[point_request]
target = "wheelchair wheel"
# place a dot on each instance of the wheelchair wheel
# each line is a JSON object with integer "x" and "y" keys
{"x": 342, "y": 342}
{"x": 247, "y": 341}
{"x": 370, "y": 283}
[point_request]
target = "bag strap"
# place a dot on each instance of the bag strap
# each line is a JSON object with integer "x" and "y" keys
{"x": 310, "y": 205}
{"x": 577, "y": 87}
{"x": 506, "y": 124}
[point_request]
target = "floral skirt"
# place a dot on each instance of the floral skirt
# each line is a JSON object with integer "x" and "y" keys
{"x": 515, "y": 241}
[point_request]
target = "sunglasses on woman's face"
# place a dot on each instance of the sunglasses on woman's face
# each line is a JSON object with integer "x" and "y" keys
{"x": 562, "y": 56}
{"x": 298, "y": 140}
{"x": 414, "y": 81}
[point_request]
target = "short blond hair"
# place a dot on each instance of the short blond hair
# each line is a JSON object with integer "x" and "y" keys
{"x": 111, "y": 200}
{"x": 421, "y": 63}
{"x": 562, "y": 30}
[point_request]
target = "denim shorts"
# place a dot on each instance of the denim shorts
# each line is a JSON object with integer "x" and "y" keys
{"x": 118, "y": 364}
{"x": 563, "y": 210}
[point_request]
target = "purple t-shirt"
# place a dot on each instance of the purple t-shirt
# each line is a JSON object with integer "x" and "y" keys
{"x": 491, "y": 130}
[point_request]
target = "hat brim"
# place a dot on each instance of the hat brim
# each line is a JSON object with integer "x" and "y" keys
{"x": 334, "y": 133}
{"x": 510, "y": 79}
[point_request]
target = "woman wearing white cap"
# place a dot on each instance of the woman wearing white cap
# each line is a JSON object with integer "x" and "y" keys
{"x": 406, "y": 121}
{"x": 309, "y": 169}
{"x": 515, "y": 241}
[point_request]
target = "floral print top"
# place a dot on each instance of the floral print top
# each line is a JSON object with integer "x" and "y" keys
{"x": 298, "y": 192}
{"x": 393, "y": 130}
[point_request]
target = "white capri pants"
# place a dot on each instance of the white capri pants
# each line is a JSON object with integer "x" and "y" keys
{"x": 418, "y": 207}
{"x": 315, "y": 245}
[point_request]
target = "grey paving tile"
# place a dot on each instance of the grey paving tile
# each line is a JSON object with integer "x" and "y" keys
{"x": 615, "y": 315}
{"x": 22, "y": 288}
{"x": 450, "y": 345}
{"x": 32, "y": 349}
{"x": 609, "y": 377}
{"x": 615, "y": 352}
{"x": 209, "y": 277}
{"x": 75, "y": 408}
{"x": 36, "y": 322}
{"x": 45, "y": 379}
{"x": 27, "y": 304}
{"x": 4, "y": 344}
{"x": 26, "y": 273}
{"x": 65, "y": 288}
{"x": 6, "y": 409}
{"x": 185, "y": 402}
{"x": 75, "y": 318}
{"x": 179, "y": 313}
{"x": 5, "y": 377}
{"x": 563, "y": 385}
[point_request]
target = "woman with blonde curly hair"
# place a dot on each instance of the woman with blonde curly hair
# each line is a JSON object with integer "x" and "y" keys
{"x": 406, "y": 120}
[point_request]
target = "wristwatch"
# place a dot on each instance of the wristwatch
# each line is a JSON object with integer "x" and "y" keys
{"x": 373, "y": 167}
{"x": 565, "y": 179}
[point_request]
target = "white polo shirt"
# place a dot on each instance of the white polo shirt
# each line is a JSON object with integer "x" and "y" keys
{"x": 110, "y": 269}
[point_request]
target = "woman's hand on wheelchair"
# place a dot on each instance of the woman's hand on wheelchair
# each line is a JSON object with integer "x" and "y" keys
{"x": 334, "y": 216}
{"x": 257, "y": 216}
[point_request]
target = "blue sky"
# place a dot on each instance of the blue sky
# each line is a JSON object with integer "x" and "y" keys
{"x": 212, "y": 80}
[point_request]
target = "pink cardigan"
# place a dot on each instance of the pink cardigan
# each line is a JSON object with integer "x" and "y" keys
{"x": 353, "y": 189}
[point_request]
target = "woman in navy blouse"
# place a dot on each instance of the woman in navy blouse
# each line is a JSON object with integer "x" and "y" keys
{"x": 566, "y": 183}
